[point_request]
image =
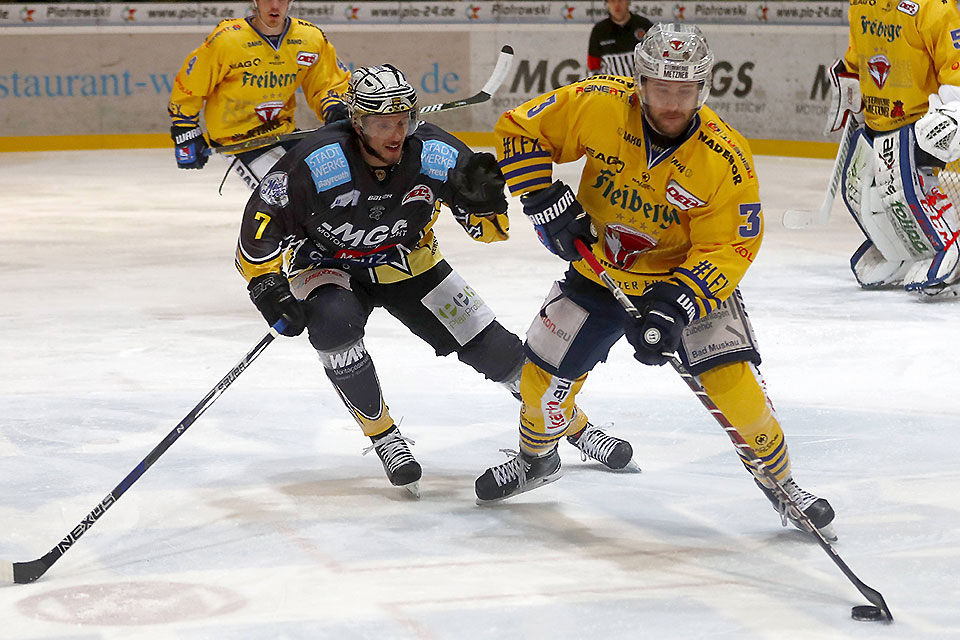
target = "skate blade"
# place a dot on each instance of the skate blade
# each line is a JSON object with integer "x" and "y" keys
{"x": 632, "y": 467}
{"x": 530, "y": 486}
{"x": 413, "y": 488}
{"x": 829, "y": 533}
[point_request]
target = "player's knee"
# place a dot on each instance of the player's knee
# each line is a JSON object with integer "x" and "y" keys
{"x": 336, "y": 318}
{"x": 494, "y": 352}
{"x": 737, "y": 391}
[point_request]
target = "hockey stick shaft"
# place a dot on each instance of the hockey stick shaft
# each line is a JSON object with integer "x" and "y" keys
{"x": 798, "y": 219}
{"x": 500, "y": 71}
{"x": 26, "y": 572}
{"x": 872, "y": 595}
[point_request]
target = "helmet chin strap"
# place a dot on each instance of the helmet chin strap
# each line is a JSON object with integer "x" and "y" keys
{"x": 376, "y": 154}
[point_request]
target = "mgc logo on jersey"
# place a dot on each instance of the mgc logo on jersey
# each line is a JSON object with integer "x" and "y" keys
{"x": 307, "y": 58}
{"x": 681, "y": 198}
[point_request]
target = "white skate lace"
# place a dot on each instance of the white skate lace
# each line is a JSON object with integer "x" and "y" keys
{"x": 803, "y": 499}
{"x": 516, "y": 467}
{"x": 393, "y": 450}
{"x": 594, "y": 443}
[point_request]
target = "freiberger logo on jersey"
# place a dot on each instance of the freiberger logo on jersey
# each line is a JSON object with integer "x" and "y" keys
{"x": 662, "y": 215}
{"x": 908, "y": 7}
{"x": 622, "y": 245}
{"x": 683, "y": 199}
{"x": 268, "y": 111}
{"x": 273, "y": 189}
{"x": 879, "y": 66}
{"x": 307, "y": 58}
{"x": 421, "y": 192}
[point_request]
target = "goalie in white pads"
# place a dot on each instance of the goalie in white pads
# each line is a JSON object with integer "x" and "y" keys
{"x": 902, "y": 70}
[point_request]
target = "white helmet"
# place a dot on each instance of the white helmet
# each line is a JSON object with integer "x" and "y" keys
{"x": 676, "y": 52}
{"x": 379, "y": 91}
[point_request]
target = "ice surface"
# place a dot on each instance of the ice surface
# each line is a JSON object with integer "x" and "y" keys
{"x": 120, "y": 308}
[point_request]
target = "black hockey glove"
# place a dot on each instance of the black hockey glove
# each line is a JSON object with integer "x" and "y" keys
{"x": 335, "y": 113}
{"x": 666, "y": 308}
{"x": 189, "y": 146}
{"x": 479, "y": 186}
{"x": 272, "y": 297}
{"x": 558, "y": 219}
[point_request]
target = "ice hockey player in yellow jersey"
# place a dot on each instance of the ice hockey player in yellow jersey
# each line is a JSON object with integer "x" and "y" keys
{"x": 902, "y": 71}
{"x": 244, "y": 79}
{"x": 669, "y": 200}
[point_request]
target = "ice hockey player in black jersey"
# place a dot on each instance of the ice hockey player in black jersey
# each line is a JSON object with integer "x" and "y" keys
{"x": 343, "y": 223}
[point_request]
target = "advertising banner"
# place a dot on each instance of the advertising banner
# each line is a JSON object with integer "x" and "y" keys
{"x": 754, "y": 12}
{"x": 80, "y": 82}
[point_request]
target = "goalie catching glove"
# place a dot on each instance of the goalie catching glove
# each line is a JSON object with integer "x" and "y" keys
{"x": 666, "y": 308}
{"x": 189, "y": 146}
{"x": 272, "y": 296}
{"x": 844, "y": 96}
{"x": 558, "y": 219}
{"x": 937, "y": 131}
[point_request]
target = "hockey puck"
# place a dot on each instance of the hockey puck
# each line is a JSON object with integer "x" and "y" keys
{"x": 866, "y": 613}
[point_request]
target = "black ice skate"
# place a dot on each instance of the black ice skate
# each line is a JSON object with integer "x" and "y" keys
{"x": 817, "y": 509}
{"x": 611, "y": 452}
{"x": 401, "y": 467}
{"x": 520, "y": 473}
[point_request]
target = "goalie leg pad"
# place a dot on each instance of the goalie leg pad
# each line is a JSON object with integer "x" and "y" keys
{"x": 739, "y": 392}
{"x": 873, "y": 270}
{"x": 864, "y": 203}
{"x": 937, "y": 215}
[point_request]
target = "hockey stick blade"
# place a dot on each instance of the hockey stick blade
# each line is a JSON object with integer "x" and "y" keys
{"x": 872, "y": 595}
{"x": 801, "y": 218}
{"x": 26, "y": 572}
{"x": 499, "y": 74}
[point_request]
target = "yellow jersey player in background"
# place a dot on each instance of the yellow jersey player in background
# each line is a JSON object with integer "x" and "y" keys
{"x": 671, "y": 191}
{"x": 244, "y": 78}
{"x": 902, "y": 69}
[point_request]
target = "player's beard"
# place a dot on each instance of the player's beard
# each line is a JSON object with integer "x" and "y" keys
{"x": 376, "y": 154}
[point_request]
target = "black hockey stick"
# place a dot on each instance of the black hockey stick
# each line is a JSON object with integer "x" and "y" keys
{"x": 500, "y": 71}
{"x": 26, "y": 572}
{"x": 871, "y": 594}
